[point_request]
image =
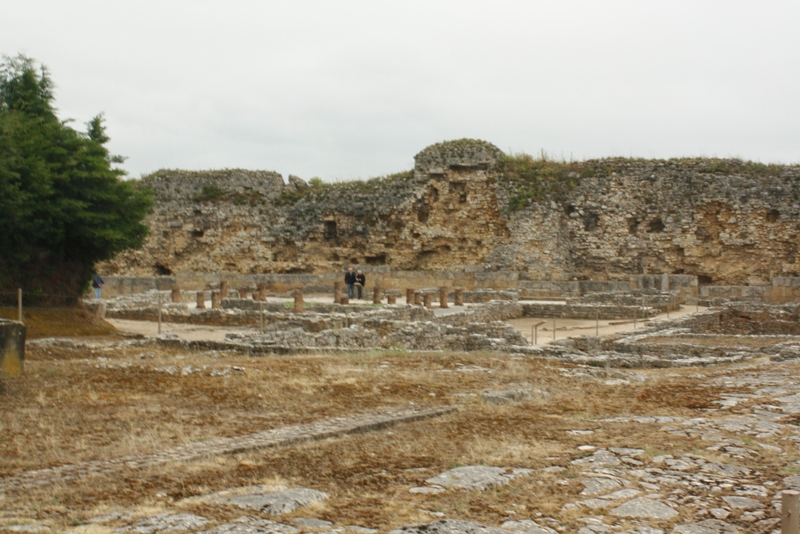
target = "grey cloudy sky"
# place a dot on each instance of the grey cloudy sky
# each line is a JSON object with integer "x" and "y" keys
{"x": 345, "y": 89}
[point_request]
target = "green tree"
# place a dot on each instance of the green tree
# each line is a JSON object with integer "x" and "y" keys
{"x": 63, "y": 203}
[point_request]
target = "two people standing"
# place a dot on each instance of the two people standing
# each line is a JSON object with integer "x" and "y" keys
{"x": 355, "y": 282}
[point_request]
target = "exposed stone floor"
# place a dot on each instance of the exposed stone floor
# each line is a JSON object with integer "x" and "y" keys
{"x": 689, "y": 494}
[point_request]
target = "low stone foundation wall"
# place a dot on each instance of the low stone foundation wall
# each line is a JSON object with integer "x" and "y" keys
{"x": 599, "y": 311}
{"x": 12, "y": 346}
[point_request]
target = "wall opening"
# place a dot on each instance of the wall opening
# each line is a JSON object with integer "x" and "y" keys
{"x": 331, "y": 232}
{"x": 655, "y": 226}
{"x": 161, "y": 270}
{"x": 773, "y": 215}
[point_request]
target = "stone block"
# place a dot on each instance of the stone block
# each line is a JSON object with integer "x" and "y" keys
{"x": 12, "y": 346}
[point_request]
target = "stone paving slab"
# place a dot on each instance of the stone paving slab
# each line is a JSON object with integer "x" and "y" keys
{"x": 288, "y": 435}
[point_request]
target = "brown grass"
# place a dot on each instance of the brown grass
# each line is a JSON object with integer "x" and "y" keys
{"x": 76, "y": 405}
{"x": 59, "y": 322}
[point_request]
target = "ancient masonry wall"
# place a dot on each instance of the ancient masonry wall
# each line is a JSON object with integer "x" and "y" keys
{"x": 723, "y": 221}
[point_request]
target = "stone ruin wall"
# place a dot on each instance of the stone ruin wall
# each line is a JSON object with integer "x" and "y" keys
{"x": 624, "y": 217}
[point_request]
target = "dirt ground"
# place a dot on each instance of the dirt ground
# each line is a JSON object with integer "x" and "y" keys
{"x": 107, "y": 401}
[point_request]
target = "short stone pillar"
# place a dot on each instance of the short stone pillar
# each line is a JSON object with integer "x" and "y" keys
{"x": 262, "y": 292}
{"x": 298, "y": 301}
{"x": 665, "y": 282}
{"x": 344, "y": 300}
{"x": 443, "y": 297}
{"x": 201, "y": 300}
{"x": 376, "y": 295}
{"x": 410, "y": 298}
{"x": 176, "y": 294}
{"x": 391, "y": 299}
{"x": 12, "y": 346}
{"x": 223, "y": 289}
{"x": 337, "y": 292}
{"x": 243, "y": 292}
{"x": 417, "y": 298}
{"x": 428, "y": 300}
{"x": 215, "y": 300}
{"x": 459, "y": 300}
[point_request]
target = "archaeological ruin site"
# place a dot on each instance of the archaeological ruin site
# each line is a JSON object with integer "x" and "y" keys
{"x": 604, "y": 346}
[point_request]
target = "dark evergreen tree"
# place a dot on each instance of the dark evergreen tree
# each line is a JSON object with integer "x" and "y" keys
{"x": 63, "y": 204}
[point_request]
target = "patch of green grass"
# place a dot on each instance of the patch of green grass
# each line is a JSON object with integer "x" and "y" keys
{"x": 208, "y": 193}
{"x": 538, "y": 179}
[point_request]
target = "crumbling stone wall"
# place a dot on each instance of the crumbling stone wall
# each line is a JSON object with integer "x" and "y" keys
{"x": 724, "y": 221}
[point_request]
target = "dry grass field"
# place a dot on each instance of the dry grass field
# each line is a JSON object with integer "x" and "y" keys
{"x": 76, "y": 405}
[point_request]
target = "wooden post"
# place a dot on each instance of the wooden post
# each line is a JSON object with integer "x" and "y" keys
{"x": 261, "y": 317}
{"x": 376, "y": 295}
{"x": 215, "y": 300}
{"x": 410, "y": 298}
{"x": 459, "y": 297}
{"x": 223, "y": 289}
{"x": 201, "y": 300}
{"x": 443, "y": 297}
{"x": 790, "y": 505}
{"x": 159, "y": 314}
{"x": 535, "y": 329}
{"x": 19, "y": 304}
{"x": 176, "y": 294}
{"x": 597, "y": 323}
{"x": 635, "y": 313}
{"x": 554, "y": 328}
{"x": 298, "y": 301}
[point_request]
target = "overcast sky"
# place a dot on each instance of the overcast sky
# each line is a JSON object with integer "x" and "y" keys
{"x": 345, "y": 89}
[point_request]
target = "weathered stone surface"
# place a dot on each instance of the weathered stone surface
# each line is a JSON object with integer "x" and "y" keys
{"x": 709, "y": 526}
{"x": 276, "y": 503}
{"x": 168, "y": 523}
{"x": 597, "y": 486}
{"x": 248, "y": 525}
{"x": 644, "y": 508}
{"x": 742, "y": 503}
{"x": 478, "y": 477}
{"x": 451, "y": 526}
{"x": 505, "y": 396}
{"x": 527, "y": 526}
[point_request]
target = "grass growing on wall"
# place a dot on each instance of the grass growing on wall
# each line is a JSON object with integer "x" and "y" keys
{"x": 537, "y": 179}
{"x": 319, "y": 189}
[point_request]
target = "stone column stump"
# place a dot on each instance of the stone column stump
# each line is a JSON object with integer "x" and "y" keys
{"x": 376, "y": 295}
{"x": 262, "y": 292}
{"x": 215, "y": 300}
{"x": 391, "y": 299}
{"x": 344, "y": 300}
{"x": 176, "y": 294}
{"x": 337, "y": 292}
{"x": 410, "y": 299}
{"x": 428, "y": 300}
{"x": 298, "y": 301}
{"x": 223, "y": 289}
{"x": 459, "y": 300}
{"x": 443, "y": 297}
{"x": 201, "y": 300}
{"x": 243, "y": 292}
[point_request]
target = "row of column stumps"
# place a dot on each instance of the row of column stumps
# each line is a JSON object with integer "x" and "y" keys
{"x": 417, "y": 298}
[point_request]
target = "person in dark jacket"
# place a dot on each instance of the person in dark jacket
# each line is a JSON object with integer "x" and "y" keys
{"x": 97, "y": 284}
{"x": 350, "y": 280}
{"x": 361, "y": 281}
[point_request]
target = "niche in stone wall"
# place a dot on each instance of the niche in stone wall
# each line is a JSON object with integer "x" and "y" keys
{"x": 655, "y": 226}
{"x": 380, "y": 259}
{"x": 460, "y": 189}
{"x": 162, "y": 270}
{"x": 633, "y": 226}
{"x": 591, "y": 221}
{"x": 773, "y": 215}
{"x": 331, "y": 232}
{"x": 704, "y": 280}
